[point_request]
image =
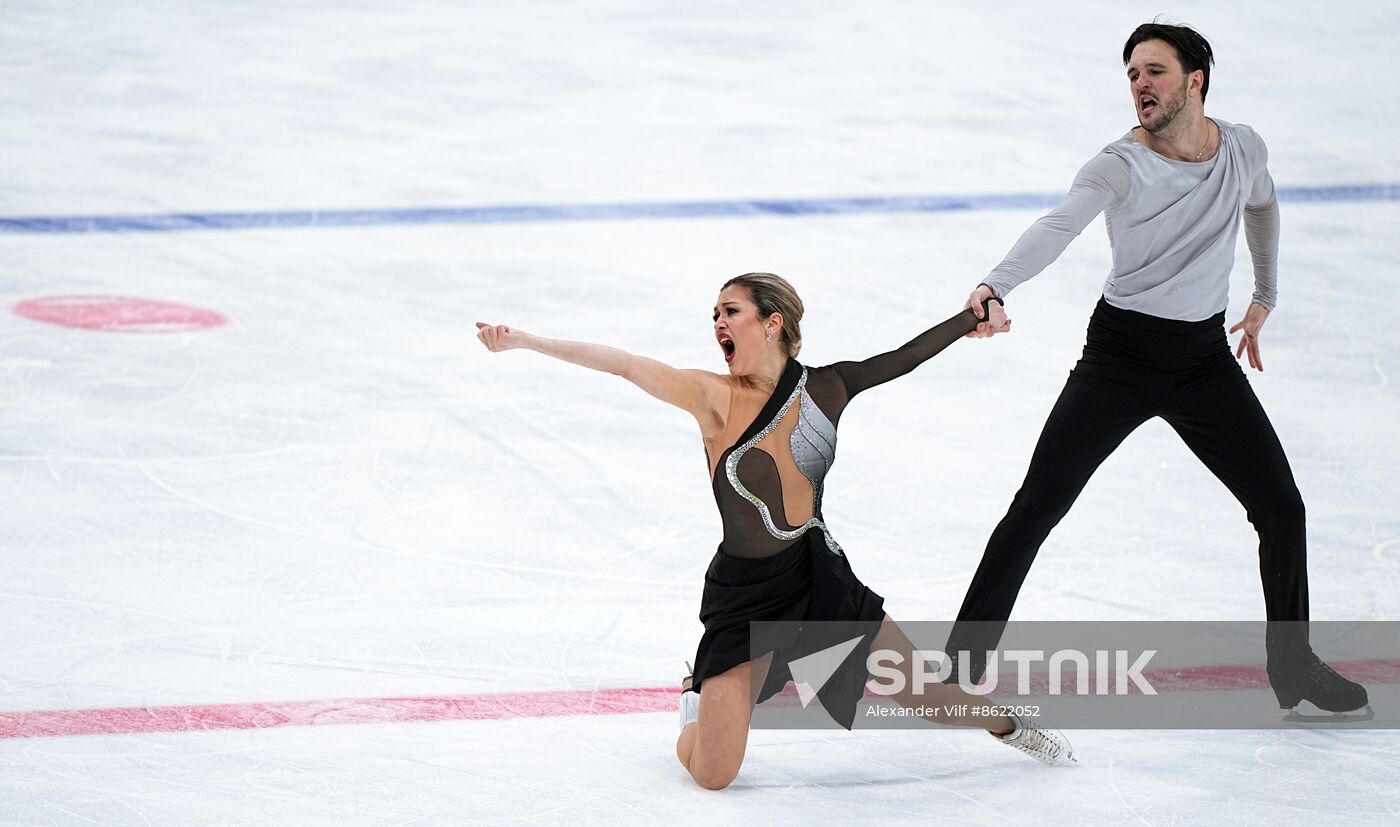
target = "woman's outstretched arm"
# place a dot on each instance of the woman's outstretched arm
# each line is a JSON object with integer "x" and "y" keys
{"x": 701, "y": 393}
{"x": 859, "y": 376}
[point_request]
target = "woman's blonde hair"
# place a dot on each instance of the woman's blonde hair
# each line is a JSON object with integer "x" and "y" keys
{"x": 773, "y": 294}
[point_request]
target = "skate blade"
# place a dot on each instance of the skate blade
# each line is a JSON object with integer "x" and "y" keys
{"x": 1306, "y": 713}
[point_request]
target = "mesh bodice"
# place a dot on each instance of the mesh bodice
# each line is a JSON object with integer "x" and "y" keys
{"x": 768, "y": 484}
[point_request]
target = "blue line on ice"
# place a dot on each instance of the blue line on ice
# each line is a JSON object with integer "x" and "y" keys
{"x": 636, "y": 211}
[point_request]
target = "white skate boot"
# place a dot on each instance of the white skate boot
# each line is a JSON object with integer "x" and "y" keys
{"x": 1048, "y": 746}
{"x": 690, "y": 703}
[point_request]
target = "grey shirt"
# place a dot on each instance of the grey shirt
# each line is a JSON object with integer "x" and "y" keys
{"x": 1172, "y": 226}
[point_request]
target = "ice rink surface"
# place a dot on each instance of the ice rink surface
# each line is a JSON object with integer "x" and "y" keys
{"x": 339, "y": 494}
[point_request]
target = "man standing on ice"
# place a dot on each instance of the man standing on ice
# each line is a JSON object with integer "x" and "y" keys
{"x": 1173, "y": 191}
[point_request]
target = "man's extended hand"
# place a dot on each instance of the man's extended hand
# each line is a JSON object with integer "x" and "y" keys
{"x": 1251, "y": 324}
{"x": 998, "y": 323}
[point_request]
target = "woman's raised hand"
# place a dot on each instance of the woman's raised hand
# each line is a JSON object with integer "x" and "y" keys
{"x": 499, "y": 337}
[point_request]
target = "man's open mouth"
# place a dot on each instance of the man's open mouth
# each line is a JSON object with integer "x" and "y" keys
{"x": 1147, "y": 105}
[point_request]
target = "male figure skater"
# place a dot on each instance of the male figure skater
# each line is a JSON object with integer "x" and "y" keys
{"x": 1174, "y": 190}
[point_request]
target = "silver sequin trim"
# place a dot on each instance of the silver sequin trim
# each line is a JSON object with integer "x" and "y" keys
{"x": 813, "y": 444}
{"x": 731, "y": 471}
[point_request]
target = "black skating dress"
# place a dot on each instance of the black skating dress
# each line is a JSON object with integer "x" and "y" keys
{"x": 770, "y": 569}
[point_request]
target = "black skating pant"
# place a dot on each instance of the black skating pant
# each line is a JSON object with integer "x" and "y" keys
{"x": 1136, "y": 367}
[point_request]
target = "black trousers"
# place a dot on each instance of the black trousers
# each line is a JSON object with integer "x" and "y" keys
{"x": 1136, "y": 367}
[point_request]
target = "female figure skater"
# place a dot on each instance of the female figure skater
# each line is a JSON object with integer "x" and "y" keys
{"x": 769, "y": 429}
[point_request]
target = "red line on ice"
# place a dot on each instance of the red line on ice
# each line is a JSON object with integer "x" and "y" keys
{"x": 497, "y": 706}
{"x": 343, "y": 711}
{"x": 118, "y": 313}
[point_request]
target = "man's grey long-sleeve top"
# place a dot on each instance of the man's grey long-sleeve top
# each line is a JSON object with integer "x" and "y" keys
{"x": 1172, "y": 226}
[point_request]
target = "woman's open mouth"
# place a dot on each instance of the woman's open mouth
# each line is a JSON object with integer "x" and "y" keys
{"x": 727, "y": 345}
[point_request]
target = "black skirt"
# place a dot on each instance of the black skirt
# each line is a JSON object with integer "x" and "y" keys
{"x": 804, "y": 582}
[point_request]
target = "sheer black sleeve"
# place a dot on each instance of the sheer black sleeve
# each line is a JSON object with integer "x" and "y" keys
{"x": 857, "y": 376}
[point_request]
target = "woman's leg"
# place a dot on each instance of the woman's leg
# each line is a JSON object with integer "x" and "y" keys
{"x": 712, "y": 748}
{"x": 936, "y": 695}
{"x": 1047, "y": 746}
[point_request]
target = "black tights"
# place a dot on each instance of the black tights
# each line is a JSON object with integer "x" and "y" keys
{"x": 1136, "y": 367}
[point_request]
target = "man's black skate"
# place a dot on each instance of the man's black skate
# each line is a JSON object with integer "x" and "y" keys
{"x": 1318, "y": 684}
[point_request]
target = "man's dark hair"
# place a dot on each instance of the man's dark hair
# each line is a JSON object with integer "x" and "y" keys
{"x": 1192, "y": 50}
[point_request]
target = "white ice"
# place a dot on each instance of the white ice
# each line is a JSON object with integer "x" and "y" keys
{"x": 341, "y": 494}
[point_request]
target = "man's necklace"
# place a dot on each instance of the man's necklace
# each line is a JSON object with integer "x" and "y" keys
{"x": 1204, "y": 145}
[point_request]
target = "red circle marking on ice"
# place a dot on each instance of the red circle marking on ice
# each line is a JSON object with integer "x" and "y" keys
{"x": 118, "y": 314}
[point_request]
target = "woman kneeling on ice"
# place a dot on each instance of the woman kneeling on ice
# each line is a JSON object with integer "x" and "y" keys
{"x": 770, "y": 434}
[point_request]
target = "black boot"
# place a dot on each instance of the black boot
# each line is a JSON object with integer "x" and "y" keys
{"x": 1309, "y": 679}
